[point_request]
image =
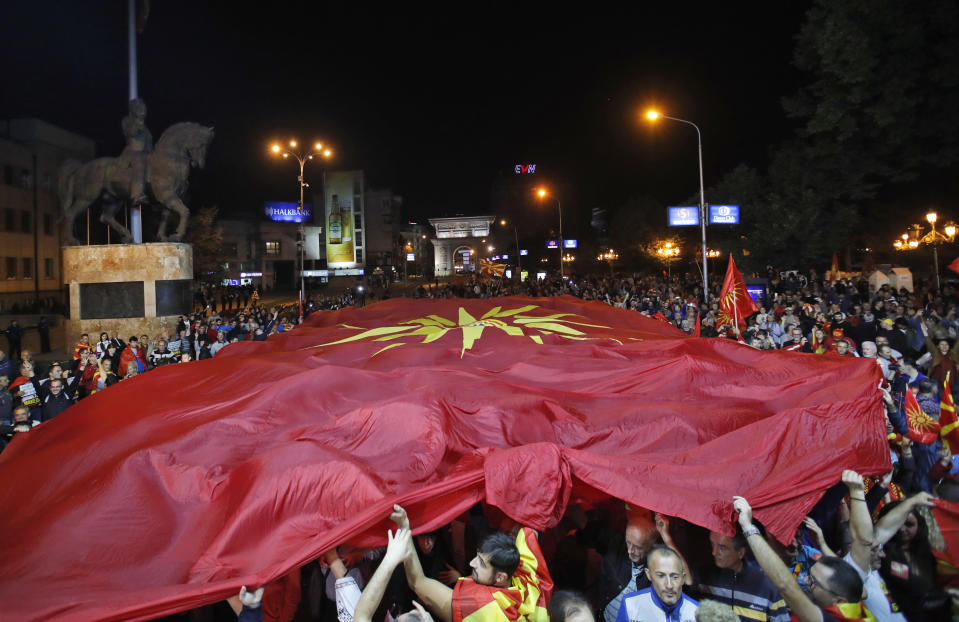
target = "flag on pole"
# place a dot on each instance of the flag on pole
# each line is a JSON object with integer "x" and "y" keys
{"x": 834, "y": 269}
{"x": 491, "y": 268}
{"x": 948, "y": 421}
{"x": 735, "y": 304}
{"x": 954, "y": 266}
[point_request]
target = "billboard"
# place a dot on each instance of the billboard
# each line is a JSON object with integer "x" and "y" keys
{"x": 682, "y": 216}
{"x": 339, "y": 233}
{"x": 569, "y": 243}
{"x": 552, "y": 244}
{"x": 279, "y": 211}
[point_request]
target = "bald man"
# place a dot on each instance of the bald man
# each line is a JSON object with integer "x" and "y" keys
{"x": 624, "y": 568}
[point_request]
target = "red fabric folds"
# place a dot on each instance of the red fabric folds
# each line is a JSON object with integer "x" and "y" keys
{"x": 237, "y": 469}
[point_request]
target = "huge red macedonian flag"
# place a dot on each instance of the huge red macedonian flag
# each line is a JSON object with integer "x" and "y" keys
{"x": 176, "y": 487}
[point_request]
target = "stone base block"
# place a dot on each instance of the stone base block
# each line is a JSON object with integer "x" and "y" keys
{"x": 134, "y": 289}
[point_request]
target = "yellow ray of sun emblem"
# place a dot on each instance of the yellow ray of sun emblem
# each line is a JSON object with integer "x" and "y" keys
{"x": 513, "y": 322}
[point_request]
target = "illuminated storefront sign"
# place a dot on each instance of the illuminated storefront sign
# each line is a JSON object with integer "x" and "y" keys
{"x": 287, "y": 212}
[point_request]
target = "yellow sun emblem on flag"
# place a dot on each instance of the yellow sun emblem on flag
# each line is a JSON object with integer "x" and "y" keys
{"x": 513, "y": 322}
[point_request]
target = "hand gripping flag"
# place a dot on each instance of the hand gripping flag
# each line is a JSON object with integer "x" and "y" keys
{"x": 524, "y": 600}
{"x": 922, "y": 428}
{"x": 491, "y": 268}
{"x": 526, "y": 404}
{"x": 735, "y": 304}
{"x": 947, "y": 418}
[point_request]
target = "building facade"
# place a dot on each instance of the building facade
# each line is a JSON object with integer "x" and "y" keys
{"x": 31, "y": 151}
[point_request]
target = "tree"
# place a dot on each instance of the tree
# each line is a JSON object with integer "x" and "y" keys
{"x": 207, "y": 241}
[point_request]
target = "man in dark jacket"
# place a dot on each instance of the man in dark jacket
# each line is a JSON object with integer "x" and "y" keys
{"x": 623, "y": 567}
{"x": 56, "y": 400}
{"x": 7, "y": 368}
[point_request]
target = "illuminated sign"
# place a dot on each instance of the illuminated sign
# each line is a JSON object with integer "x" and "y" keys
{"x": 682, "y": 216}
{"x": 410, "y": 256}
{"x": 552, "y": 244}
{"x": 757, "y": 293}
{"x": 523, "y": 252}
{"x": 314, "y": 273}
{"x": 569, "y": 243}
{"x": 509, "y": 274}
{"x": 286, "y": 212}
{"x": 724, "y": 214}
{"x": 494, "y": 257}
{"x": 525, "y": 169}
{"x": 244, "y": 275}
{"x": 505, "y": 256}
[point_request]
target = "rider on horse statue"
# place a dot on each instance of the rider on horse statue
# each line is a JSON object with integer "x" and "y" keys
{"x": 139, "y": 146}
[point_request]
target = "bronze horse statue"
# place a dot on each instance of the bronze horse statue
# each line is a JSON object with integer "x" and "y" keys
{"x": 181, "y": 147}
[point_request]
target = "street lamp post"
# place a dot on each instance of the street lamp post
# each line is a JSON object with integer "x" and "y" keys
{"x": 519, "y": 259}
{"x": 302, "y": 158}
{"x": 933, "y": 238}
{"x": 653, "y": 115}
{"x": 542, "y": 193}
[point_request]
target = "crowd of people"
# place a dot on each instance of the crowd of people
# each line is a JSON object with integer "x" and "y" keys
{"x": 869, "y": 550}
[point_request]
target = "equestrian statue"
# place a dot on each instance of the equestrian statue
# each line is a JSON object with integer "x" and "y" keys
{"x": 141, "y": 175}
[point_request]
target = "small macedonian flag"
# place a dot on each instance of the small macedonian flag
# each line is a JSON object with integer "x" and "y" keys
{"x": 523, "y": 601}
{"x": 922, "y": 428}
{"x": 491, "y": 268}
{"x": 948, "y": 419}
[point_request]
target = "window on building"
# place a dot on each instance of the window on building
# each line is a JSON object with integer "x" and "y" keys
{"x": 47, "y": 224}
{"x": 273, "y": 247}
{"x": 48, "y": 268}
{"x": 359, "y": 255}
{"x": 26, "y": 180}
{"x": 11, "y": 272}
{"x": 8, "y": 174}
{"x": 9, "y": 220}
{"x": 28, "y": 267}
{"x": 357, "y": 188}
{"x": 26, "y": 222}
{"x": 358, "y": 220}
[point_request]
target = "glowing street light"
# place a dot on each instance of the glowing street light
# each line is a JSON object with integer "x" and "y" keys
{"x": 302, "y": 158}
{"x": 542, "y": 193}
{"x": 654, "y": 115}
{"x": 912, "y": 240}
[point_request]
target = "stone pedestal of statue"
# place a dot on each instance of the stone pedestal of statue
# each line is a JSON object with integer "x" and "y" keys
{"x": 134, "y": 289}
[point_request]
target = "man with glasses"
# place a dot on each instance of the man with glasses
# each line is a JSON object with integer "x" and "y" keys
{"x": 833, "y": 587}
{"x": 865, "y": 555}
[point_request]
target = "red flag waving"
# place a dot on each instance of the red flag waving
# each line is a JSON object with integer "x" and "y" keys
{"x": 491, "y": 268}
{"x": 834, "y": 269}
{"x": 947, "y": 418}
{"x": 922, "y": 428}
{"x": 735, "y": 304}
{"x": 954, "y": 266}
{"x": 275, "y": 451}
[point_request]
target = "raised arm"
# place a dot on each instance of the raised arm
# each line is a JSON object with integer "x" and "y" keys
{"x": 860, "y": 523}
{"x": 889, "y": 524}
{"x": 774, "y": 568}
{"x": 436, "y": 596}
{"x": 399, "y": 547}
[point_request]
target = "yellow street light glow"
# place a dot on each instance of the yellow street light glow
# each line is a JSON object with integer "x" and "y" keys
{"x": 950, "y": 230}
{"x": 318, "y": 146}
{"x": 913, "y": 243}
{"x": 905, "y": 236}
{"x": 502, "y": 223}
{"x": 541, "y": 192}
{"x": 293, "y": 143}
{"x": 286, "y": 155}
{"x": 327, "y": 153}
{"x": 489, "y": 248}
{"x": 276, "y": 148}
{"x": 932, "y": 217}
{"x": 652, "y": 115}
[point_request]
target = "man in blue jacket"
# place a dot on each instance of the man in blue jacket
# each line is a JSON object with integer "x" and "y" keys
{"x": 664, "y": 601}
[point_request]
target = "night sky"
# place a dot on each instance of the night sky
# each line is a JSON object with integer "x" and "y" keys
{"x": 434, "y": 104}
